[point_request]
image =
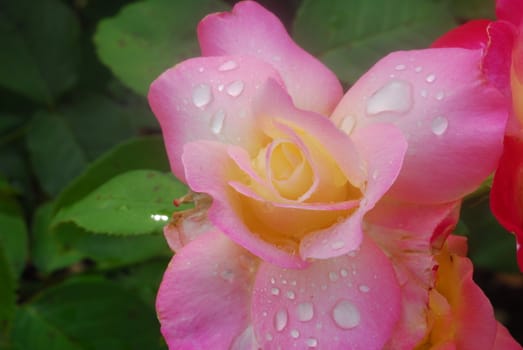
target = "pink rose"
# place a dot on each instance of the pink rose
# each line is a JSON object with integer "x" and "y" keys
{"x": 310, "y": 204}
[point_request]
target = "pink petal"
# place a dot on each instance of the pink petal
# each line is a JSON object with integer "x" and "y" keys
{"x": 497, "y": 61}
{"x": 506, "y": 197}
{"x": 382, "y": 147}
{"x": 471, "y": 35}
{"x": 252, "y": 30}
{"x": 411, "y": 217}
{"x": 452, "y": 119}
{"x": 412, "y": 258}
{"x": 504, "y": 340}
{"x": 206, "y": 99}
{"x": 203, "y": 300}
{"x": 350, "y": 302}
{"x": 225, "y": 211}
{"x": 510, "y": 10}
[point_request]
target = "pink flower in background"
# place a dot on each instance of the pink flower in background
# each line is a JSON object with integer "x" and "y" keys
{"x": 502, "y": 64}
{"x": 316, "y": 212}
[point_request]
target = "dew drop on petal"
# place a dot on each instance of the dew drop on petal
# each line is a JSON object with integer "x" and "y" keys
{"x": 400, "y": 67}
{"x": 364, "y": 289}
{"x": 275, "y": 291}
{"x": 280, "y": 320}
{"x": 217, "y": 121}
{"x": 295, "y": 333}
{"x": 439, "y": 125}
{"x": 227, "y": 275}
{"x": 344, "y": 272}
{"x": 418, "y": 69}
{"x": 337, "y": 245}
{"x": 201, "y": 95}
{"x": 347, "y": 124}
{"x": 229, "y": 65}
{"x": 291, "y": 295}
{"x": 395, "y": 96}
{"x": 423, "y": 93}
{"x": 430, "y": 78}
{"x": 235, "y": 88}
{"x": 311, "y": 342}
{"x": 333, "y": 276}
{"x": 305, "y": 311}
{"x": 346, "y": 315}
{"x": 440, "y": 96}
{"x": 268, "y": 336}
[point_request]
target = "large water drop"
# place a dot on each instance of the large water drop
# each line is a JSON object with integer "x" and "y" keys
{"x": 395, "y": 96}
{"x": 346, "y": 315}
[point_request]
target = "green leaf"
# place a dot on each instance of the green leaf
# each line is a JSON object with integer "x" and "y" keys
{"x": 351, "y": 35}
{"x": 31, "y": 331}
{"x": 148, "y": 37}
{"x": 55, "y": 153}
{"x": 7, "y": 295}
{"x": 144, "y": 279}
{"x": 13, "y": 234}
{"x": 136, "y": 202}
{"x": 56, "y": 249}
{"x": 139, "y": 153}
{"x": 49, "y": 250}
{"x": 39, "y": 48}
{"x": 87, "y": 315}
{"x": 490, "y": 246}
{"x": 473, "y": 9}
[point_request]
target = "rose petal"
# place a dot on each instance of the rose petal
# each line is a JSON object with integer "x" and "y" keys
{"x": 225, "y": 211}
{"x": 199, "y": 100}
{"x": 504, "y": 340}
{"x": 349, "y": 302}
{"x": 203, "y": 283}
{"x": 471, "y": 35}
{"x": 510, "y": 10}
{"x": 252, "y": 30}
{"x": 442, "y": 105}
{"x": 382, "y": 147}
{"x": 506, "y": 196}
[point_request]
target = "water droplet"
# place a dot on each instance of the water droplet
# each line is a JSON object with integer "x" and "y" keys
{"x": 333, "y": 276}
{"x": 337, "y": 245}
{"x": 430, "y": 78}
{"x": 221, "y": 87}
{"x": 344, "y": 272}
{"x": 227, "y": 275}
{"x": 295, "y": 333}
{"x": 268, "y": 336}
{"x": 423, "y": 93}
{"x": 275, "y": 291}
{"x": 305, "y": 311}
{"x": 201, "y": 95}
{"x": 395, "y": 96}
{"x": 280, "y": 320}
{"x": 291, "y": 295}
{"x": 364, "y": 289}
{"x": 347, "y": 124}
{"x": 235, "y": 88}
{"x": 201, "y": 69}
{"x": 400, "y": 67}
{"x": 311, "y": 342}
{"x": 217, "y": 121}
{"x": 418, "y": 69}
{"x": 440, "y": 96}
{"x": 229, "y": 65}
{"x": 375, "y": 174}
{"x": 346, "y": 315}
{"x": 439, "y": 125}
{"x": 273, "y": 280}
{"x": 293, "y": 282}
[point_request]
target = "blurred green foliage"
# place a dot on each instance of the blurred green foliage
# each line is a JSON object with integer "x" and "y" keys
{"x": 83, "y": 171}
